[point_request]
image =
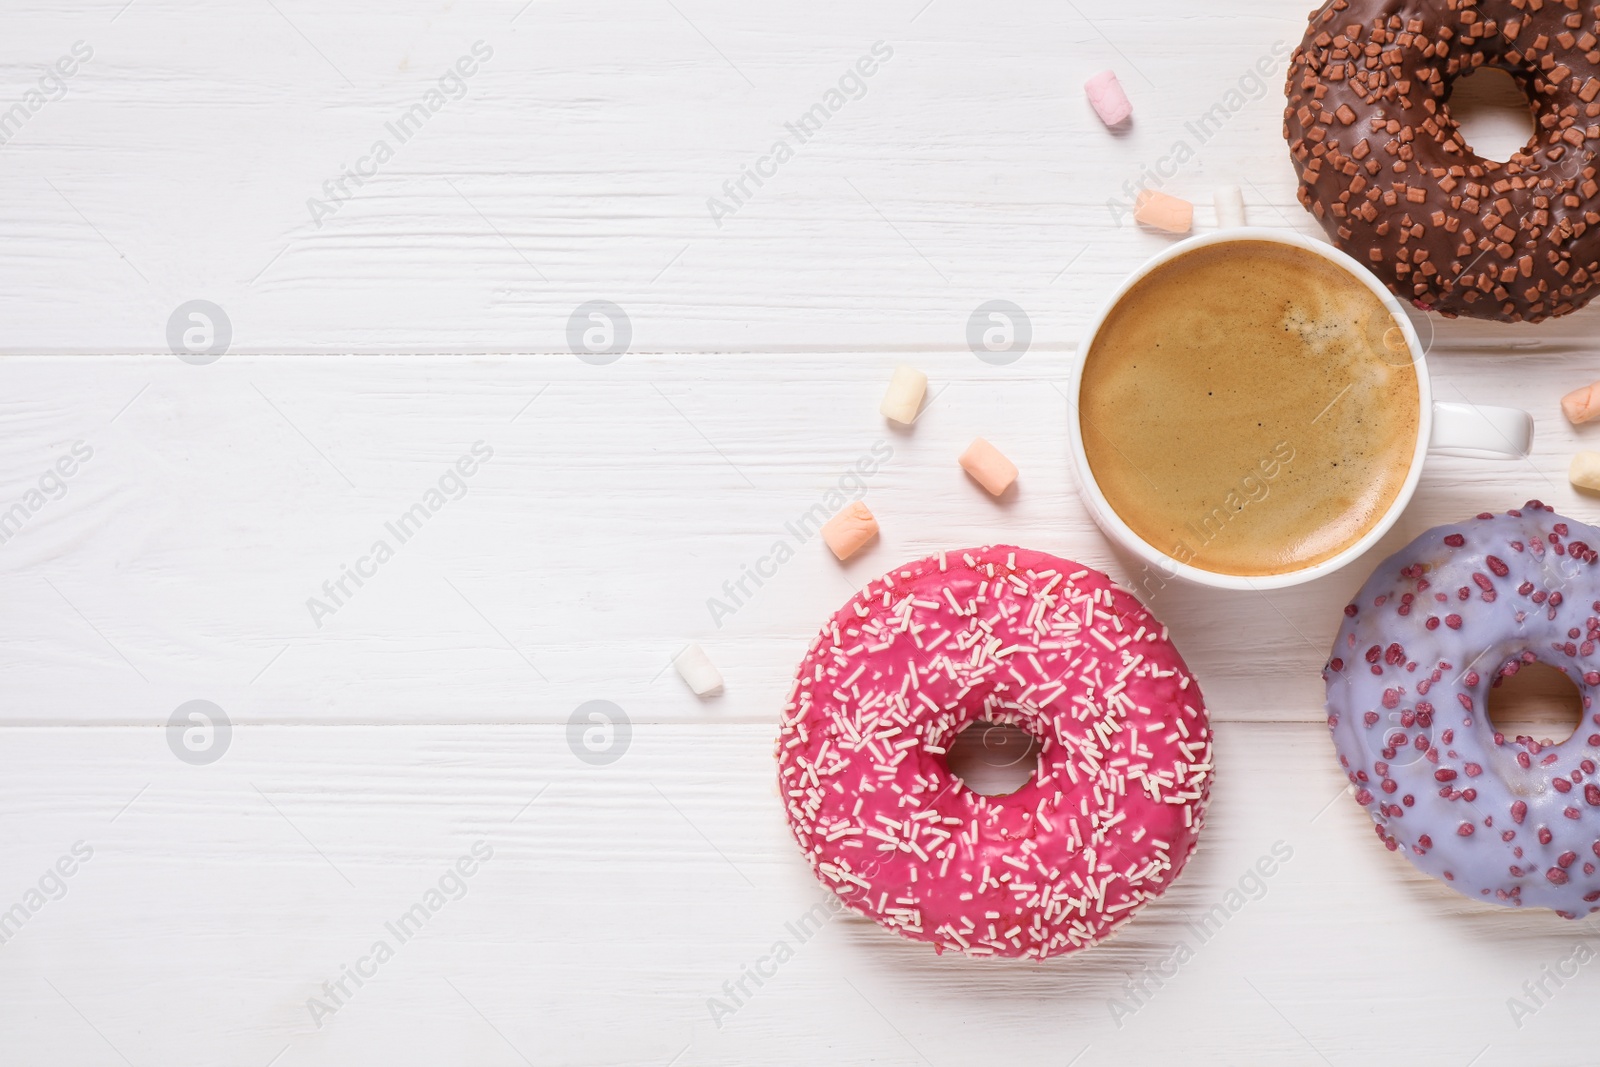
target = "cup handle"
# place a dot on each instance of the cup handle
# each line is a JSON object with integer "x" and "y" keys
{"x": 1481, "y": 430}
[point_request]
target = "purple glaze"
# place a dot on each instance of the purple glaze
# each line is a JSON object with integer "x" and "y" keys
{"x": 1501, "y": 819}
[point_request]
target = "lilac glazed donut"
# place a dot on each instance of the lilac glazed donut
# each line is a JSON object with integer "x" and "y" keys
{"x": 1440, "y": 622}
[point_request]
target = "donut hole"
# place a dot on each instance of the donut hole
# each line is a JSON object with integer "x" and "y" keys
{"x": 1535, "y": 700}
{"x": 1493, "y": 113}
{"x": 994, "y": 758}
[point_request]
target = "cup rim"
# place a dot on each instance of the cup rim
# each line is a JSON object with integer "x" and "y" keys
{"x": 1121, "y": 533}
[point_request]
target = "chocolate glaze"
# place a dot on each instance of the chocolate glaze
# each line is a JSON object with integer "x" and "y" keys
{"x": 1387, "y": 172}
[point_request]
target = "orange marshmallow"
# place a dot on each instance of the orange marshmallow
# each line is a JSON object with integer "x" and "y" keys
{"x": 1164, "y": 212}
{"x": 988, "y": 466}
{"x": 849, "y": 530}
{"x": 1582, "y": 405}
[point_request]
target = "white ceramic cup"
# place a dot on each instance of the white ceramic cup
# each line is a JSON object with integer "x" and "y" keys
{"x": 1457, "y": 429}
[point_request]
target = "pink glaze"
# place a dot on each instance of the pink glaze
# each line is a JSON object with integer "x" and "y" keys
{"x": 1008, "y": 636}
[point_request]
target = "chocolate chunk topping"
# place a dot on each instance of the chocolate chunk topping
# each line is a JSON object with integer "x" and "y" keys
{"x": 1385, "y": 169}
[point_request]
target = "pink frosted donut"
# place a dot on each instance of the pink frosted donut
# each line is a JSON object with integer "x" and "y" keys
{"x": 1505, "y": 820}
{"x": 1008, "y": 636}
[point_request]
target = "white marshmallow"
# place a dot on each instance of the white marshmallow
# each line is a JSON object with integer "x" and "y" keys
{"x": 903, "y": 398}
{"x": 1229, "y": 202}
{"x": 696, "y": 668}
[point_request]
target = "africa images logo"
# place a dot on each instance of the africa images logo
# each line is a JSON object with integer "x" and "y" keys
{"x": 851, "y": 85}
{"x": 451, "y": 85}
{"x": 452, "y": 485}
{"x": 850, "y": 486}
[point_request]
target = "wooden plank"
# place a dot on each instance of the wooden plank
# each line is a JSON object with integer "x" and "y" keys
{"x": 374, "y": 339}
{"x": 612, "y": 525}
{"x": 579, "y": 163}
{"x": 620, "y": 509}
{"x": 619, "y": 899}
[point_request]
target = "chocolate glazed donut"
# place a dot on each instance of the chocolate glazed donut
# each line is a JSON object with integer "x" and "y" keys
{"x": 1386, "y": 171}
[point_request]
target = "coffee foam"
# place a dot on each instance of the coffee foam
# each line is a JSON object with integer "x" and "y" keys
{"x": 1250, "y": 408}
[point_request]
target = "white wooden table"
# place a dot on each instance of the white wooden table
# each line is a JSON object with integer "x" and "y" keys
{"x": 377, "y": 334}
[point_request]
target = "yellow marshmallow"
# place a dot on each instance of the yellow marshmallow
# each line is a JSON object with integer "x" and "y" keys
{"x": 1585, "y": 470}
{"x": 904, "y": 396}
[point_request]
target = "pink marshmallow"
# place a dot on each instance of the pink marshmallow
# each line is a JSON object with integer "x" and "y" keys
{"x": 1163, "y": 212}
{"x": 1107, "y": 98}
{"x": 988, "y": 466}
{"x": 849, "y": 530}
{"x": 1581, "y": 405}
